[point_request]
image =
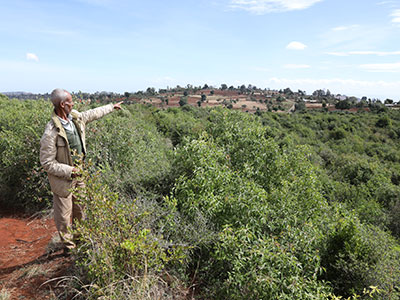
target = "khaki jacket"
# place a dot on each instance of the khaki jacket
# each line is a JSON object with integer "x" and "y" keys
{"x": 55, "y": 154}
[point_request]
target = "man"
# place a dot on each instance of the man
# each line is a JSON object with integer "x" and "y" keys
{"x": 62, "y": 143}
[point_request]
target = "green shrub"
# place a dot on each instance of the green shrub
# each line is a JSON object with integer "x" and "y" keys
{"x": 115, "y": 246}
{"x": 23, "y": 183}
{"x": 337, "y": 134}
{"x": 354, "y": 258}
{"x": 231, "y": 194}
{"x": 179, "y": 123}
{"x": 384, "y": 121}
{"x": 134, "y": 157}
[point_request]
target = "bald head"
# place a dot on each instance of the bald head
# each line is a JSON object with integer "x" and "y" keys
{"x": 58, "y": 96}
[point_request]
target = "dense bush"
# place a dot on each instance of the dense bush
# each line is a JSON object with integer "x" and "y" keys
{"x": 241, "y": 206}
{"x": 266, "y": 207}
{"x": 23, "y": 183}
{"x": 119, "y": 254}
{"x": 134, "y": 157}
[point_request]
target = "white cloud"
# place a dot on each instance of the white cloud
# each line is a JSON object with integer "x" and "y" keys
{"x": 296, "y": 46}
{"x": 342, "y": 28}
{"x": 357, "y": 37}
{"x": 32, "y": 56}
{"x": 388, "y": 67}
{"x": 378, "y": 53}
{"x": 268, "y": 6}
{"x": 296, "y": 66}
{"x": 396, "y": 16}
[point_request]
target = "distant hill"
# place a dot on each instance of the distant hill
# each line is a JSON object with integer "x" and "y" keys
{"x": 16, "y": 94}
{"x": 22, "y": 95}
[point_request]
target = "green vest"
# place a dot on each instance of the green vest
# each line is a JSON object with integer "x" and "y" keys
{"x": 74, "y": 141}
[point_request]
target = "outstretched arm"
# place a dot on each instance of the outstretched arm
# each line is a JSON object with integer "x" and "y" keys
{"x": 99, "y": 112}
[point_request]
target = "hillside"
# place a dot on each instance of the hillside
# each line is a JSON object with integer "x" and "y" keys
{"x": 247, "y": 99}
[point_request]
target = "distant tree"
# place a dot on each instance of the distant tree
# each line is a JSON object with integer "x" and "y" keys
{"x": 183, "y": 101}
{"x": 301, "y": 93}
{"x": 362, "y": 103}
{"x": 163, "y": 99}
{"x": 205, "y": 86}
{"x": 127, "y": 94}
{"x": 203, "y": 98}
{"x": 212, "y": 92}
{"x": 185, "y": 93}
{"x": 319, "y": 94}
{"x": 300, "y": 106}
{"x": 377, "y": 106}
{"x": 151, "y": 91}
{"x": 345, "y": 104}
{"x": 224, "y": 86}
{"x": 388, "y": 101}
{"x": 231, "y": 88}
{"x": 242, "y": 88}
{"x": 287, "y": 91}
{"x": 199, "y": 103}
{"x": 280, "y": 98}
{"x": 353, "y": 100}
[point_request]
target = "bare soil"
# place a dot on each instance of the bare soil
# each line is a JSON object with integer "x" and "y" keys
{"x": 30, "y": 260}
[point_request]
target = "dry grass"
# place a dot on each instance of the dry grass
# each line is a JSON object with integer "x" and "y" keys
{"x": 5, "y": 294}
{"x": 32, "y": 271}
{"x": 146, "y": 287}
{"x": 54, "y": 245}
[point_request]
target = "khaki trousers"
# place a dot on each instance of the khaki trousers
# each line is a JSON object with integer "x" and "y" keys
{"x": 66, "y": 212}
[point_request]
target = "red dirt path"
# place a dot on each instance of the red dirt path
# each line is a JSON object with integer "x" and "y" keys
{"x": 25, "y": 259}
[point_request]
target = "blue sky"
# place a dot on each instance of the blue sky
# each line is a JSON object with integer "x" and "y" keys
{"x": 350, "y": 47}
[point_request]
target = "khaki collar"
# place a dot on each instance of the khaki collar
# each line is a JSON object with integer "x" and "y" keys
{"x": 58, "y": 125}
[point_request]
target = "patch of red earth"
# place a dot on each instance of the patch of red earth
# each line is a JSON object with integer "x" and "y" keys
{"x": 25, "y": 262}
{"x": 22, "y": 240}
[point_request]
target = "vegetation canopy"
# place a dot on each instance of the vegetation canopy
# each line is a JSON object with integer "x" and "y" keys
{"x": 216, "y": 203}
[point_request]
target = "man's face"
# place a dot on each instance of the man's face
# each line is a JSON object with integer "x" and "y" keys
{"x": 68, "y": 104}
